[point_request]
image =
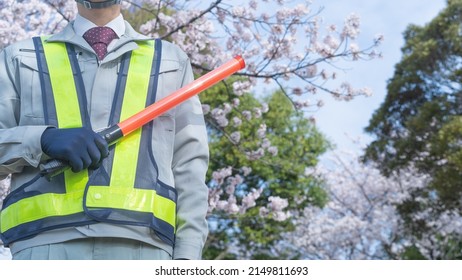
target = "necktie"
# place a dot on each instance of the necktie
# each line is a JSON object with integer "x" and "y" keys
{"x": 99, "y": 38}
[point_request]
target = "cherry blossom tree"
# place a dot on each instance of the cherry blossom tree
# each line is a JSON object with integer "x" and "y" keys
{"x": 362, "y": 221}
{"x": 419, "y": 124}
{"x": 290, "y": 47}
{"x": 250, "y": 207}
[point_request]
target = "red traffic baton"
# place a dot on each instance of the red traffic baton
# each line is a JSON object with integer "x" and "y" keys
{"x": 125, "y": 127}
{"x": 177, "y": 97}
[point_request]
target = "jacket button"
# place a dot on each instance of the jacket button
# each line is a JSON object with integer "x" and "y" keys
{"x": 97, "y": 196}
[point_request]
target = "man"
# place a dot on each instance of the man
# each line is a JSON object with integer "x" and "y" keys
{"x": 142, "y": 198}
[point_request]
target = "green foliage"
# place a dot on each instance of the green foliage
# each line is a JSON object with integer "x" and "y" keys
{"x": 450, "y": 249}
{"x": 298, "y": 143}
{"x": 412, "y": 253}
{"x": 299, "y": 146}
{"x": 419, "y": 126}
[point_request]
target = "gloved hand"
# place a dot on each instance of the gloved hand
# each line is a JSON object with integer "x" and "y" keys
{"x": 80, "y": 147}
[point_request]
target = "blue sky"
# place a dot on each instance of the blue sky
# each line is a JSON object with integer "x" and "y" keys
{"x": 390, "y": 18}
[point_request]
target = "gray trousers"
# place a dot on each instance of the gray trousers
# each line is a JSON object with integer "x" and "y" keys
{"x": 94, "y": 249}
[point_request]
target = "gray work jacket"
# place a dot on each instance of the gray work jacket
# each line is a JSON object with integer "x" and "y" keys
{"x": 180, "y": 135}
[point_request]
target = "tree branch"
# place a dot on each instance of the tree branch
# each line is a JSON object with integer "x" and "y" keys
{"x": 213, "y": 5}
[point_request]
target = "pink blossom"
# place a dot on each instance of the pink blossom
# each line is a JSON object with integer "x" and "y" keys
{"x": 247, "y": 115}
{"x": 237, "y": 121}
{"x": 277, "y": 203}
{"x": 255, "y": 155}
{"x": 266, "y": 143}
{"x": 273, "y": 150}
{"x": 246, "y": 170}
{"x": 261, "y": 132}
{"x": 235, "y": 137}
{"x": 205, "y": 109}
{"x": 351, "y": 28}
{"x": 257, "y": 113}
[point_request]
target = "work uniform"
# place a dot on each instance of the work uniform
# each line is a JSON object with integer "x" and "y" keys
{"x": 179, "y": 141}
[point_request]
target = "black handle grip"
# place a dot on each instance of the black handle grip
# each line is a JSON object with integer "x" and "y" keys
{"x": 53, "y": 168}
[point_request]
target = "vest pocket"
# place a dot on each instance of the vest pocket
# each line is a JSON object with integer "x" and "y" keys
{"x": 31, "y": 90}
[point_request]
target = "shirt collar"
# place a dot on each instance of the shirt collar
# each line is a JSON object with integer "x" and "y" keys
{"x": 82, "y": 25}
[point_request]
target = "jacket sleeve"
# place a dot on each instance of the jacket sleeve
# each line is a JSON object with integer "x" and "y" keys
{"x": 190, "y": 163}
{"x": 19, "y": 145}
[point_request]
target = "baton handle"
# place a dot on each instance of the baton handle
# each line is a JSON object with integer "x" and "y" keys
{"x": 56, "y": 166}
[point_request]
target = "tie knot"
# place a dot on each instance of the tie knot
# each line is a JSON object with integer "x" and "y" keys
{"x": 99, "y": 35}
{"x": 99, "y": 38}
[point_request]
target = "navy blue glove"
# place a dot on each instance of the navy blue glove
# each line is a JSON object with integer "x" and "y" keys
{"x": 81, "y": 147}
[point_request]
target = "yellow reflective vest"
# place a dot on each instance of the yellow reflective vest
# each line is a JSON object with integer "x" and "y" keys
{"x": 125, "y": 189}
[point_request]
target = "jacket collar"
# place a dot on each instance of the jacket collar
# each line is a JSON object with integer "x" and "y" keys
{"x": 127, "y": 42}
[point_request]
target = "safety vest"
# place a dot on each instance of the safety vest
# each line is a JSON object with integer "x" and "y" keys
{"x": 125, "y": 189}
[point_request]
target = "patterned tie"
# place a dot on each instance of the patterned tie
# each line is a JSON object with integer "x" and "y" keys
{"x": 99, "y": 38}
